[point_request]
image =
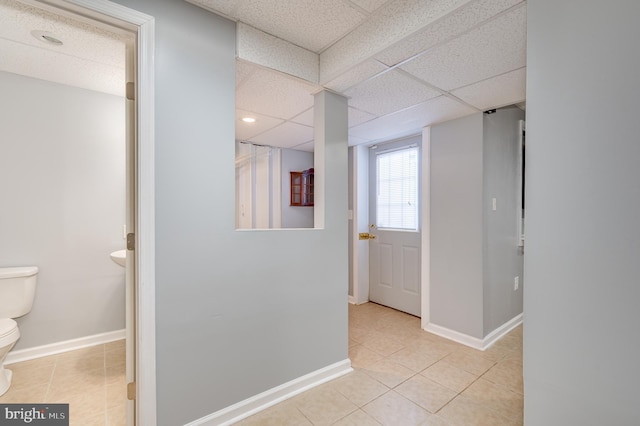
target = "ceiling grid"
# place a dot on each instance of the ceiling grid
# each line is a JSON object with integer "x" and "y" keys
{"x": 403, "y": 64}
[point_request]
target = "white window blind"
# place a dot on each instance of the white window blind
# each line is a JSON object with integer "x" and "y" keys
{"x": 397, "y": 190}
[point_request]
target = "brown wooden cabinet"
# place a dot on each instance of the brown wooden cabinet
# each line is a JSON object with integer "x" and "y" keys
{"x": 302, "y": 188}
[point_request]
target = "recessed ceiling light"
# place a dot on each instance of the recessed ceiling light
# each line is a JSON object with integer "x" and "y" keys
{"x": 47, "y": 37}
{"x": 249, "y": 119}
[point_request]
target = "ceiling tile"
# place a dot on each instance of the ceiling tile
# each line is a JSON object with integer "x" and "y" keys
{"x": 494, "y": 48}
{"x": 243, "y": 71}
{"x": 505, "y": 89}
{"x": 357, "y": 141}
{"x": 246, "y": 131}
{"x": 391, "y": 23}
{"x": 411, "y": 120}
{"x": 305, "y": 118}
{"x": 357, "y": 117}
{"x": 308, "y": 146}
{"x": 389, "y": 92}
{"x": 81, "y": 40}
{"x": 355, "y": 75}
{"x": 450, "y": 26}
{"x": 286, "y": 135}
{"x": 260, "y": 48}
{"x": 47, "y": 65}
{"x": 370, "y": 5}
{"x": 274, "y": 94}
{"x": 226, "y": 7}
{"x": 311, "y": 24}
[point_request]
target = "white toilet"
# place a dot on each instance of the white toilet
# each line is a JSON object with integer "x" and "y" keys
{"x": 17, "y": 290}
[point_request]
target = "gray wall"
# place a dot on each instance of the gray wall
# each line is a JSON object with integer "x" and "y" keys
{"x": 62, "y": 182}
{"x": 474, "y": 252}
{"x": 457, "y": 225}
{"x": 581, "y": 336}
{"x": 294, "y": 217}
{"x": 350, "y": 205}
{"x": 238, "y": 312}
{"x": 503, "y": 259}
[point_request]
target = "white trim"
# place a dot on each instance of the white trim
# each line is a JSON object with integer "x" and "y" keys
{"x": 474, "y": 342}
{"x": 276, "y": 188}
{"x": 501, "y": 331}
{"x": 425, "y": 220}
{"x": 519, "y": 181}
{"x": 456, "y": 336}
{"x": 352, "y": 300}
{"x": 144, "y": 25}
{"x": 250, "y": 406}
{"x": 360, "y": 256}
{"x": 64, "y": 346}
{"x": 145, "y": 254}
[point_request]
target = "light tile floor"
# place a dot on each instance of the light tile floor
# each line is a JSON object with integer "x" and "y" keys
{"x": 91, "y": 380}
{"x": 405, "y": 376}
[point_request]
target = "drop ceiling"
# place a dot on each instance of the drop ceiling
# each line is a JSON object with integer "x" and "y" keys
{"x": 402, "y": 64}
{"x": 91, "y": 58}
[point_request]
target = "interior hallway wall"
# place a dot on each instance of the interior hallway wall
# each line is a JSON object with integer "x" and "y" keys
{"x": 581, "y": 339}
{"x": 474, "y": 253}
{"x": 237, "y": 312}
{"x": 62, "y": 180}
{"x": 503, "y": 258}
{"x": 456, "y": 229}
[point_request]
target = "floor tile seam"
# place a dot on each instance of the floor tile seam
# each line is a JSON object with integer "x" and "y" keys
{"x": 509, "y": 388}
{"x": 374, "y": 398}
{"x": 405, "y": 380}
{"x": 378, "y": 397}
{"x": 466, "y": 370}
{"x": 53, "y": 370}
{"x": 481, "y": 406}
{"x": 381, "y": 354}
{"x": 499, "y": 414}
{"x": 453, "y": 390}
{"x": 104, "y": 386}
{"x": 345, "y": 416}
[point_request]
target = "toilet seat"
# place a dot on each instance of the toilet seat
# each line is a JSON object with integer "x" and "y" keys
{"x": 9, "y": 332}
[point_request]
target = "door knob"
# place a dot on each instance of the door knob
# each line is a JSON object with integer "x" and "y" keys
{"x": 366, "y": 236}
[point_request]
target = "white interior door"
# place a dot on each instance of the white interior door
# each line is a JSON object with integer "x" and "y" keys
{"x": 394, "y": 213}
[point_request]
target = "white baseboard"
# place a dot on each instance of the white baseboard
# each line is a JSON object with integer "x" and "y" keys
{"x": 456, "y": 336}
{"x": 501, "y": 331}
{"x": 352, "y": 300}
{"x": 64, "y": 346}
{"x": 474, "y": 342}
{"x": 250, "y": 406}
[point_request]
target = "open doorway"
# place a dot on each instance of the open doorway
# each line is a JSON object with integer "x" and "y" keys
{"x": 135, "y": 31}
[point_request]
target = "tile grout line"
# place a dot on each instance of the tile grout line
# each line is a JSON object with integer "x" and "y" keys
{"x": 53, "y": 371}
{"x": 104, "y": 382}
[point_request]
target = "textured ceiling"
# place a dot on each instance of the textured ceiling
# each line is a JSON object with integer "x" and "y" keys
{"x": 403, "y": 64}
{"x": 91, "y": 57}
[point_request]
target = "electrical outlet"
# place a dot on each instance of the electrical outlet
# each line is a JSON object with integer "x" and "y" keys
{"x": 516, "y": 283}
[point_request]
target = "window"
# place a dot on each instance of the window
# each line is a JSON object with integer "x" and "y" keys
{"x": 397, "y": 189}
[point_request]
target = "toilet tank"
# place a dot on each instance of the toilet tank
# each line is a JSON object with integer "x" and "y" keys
{"x": 17, "y": 290}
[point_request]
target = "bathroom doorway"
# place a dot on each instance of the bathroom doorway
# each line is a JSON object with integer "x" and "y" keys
{"x": 102, "y": 17}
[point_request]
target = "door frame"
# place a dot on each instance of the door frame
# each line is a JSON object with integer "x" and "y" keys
{"x": 360, "y": 215}
{"x": 425, "y": 220}
{"x": 143, "y": 25}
